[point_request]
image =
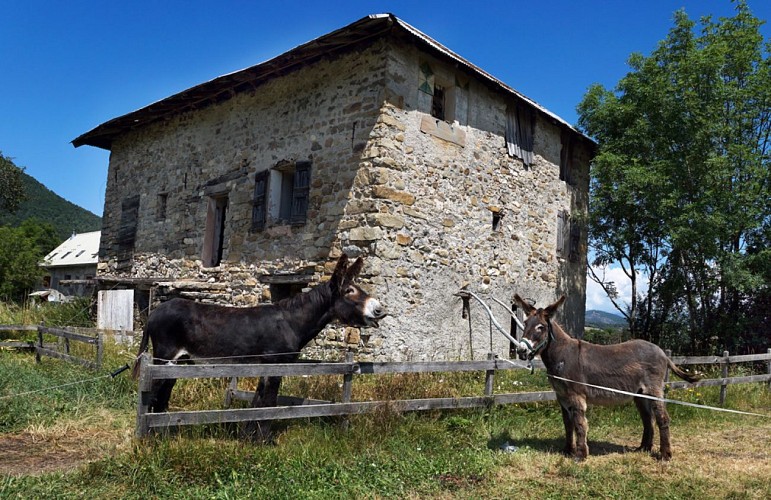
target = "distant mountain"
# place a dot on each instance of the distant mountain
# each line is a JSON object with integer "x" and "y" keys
{"x": 47, "y": 206}
{"x": 602, "y": 320}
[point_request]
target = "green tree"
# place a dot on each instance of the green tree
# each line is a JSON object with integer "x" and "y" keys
{"x": 21, "y": 251}
{"x": 680, "y": 187}
{"x": 11, "y": 186}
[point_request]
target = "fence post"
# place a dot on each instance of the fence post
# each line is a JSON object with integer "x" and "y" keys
{"x": 143, "y": 395}
{"x": 724, "y": 385}
{"x": 348, "y": 380}
{"x": 232, "y": 388}
{"x": 489, "y": 376}
{"x": 39, "y": 342}
{"x": 99, "y": 350}
{"x": 768, "y": 351}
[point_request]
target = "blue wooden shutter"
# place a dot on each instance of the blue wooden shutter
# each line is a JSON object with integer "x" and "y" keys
{"x": 300, "y": 193}
{"x": 260, "y": 201}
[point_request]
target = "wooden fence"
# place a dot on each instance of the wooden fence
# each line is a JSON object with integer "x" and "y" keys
{"x": 64, "y": 352}
{"x": 61, "y": 349}
{"x": 301, "y": 408}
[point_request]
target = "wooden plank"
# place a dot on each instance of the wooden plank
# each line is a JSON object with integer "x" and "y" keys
{"x": 18, "y": 328}
{"x": 69, "y": 335}
{"x": 712, "y": 360}
{"x": 720, "y": 381}
{"x": 335, "y": 409}
{"x": 248, "y": 370}
{"x": 242, "y": 395}
{"x": 72, "y": 359}
{"x": 18, "y": 344}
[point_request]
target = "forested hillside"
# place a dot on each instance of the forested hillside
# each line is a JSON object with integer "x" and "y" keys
{"x": 45, "y": 205}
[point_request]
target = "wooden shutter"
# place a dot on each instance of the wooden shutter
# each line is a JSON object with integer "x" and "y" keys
{"x": 566, "y": 158}
{"x": 128, "y": 223}
{"x": 563, "y": 233}
{"x": 575, "y": 241}
{"x": 300, "y": 193}
{"x": 259, "y": 208}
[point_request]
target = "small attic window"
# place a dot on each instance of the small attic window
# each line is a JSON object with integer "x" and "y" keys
{"x": 163, "y": 199}
{"x": 497, "y": 221}
{"x": 438, "y": 106}
{"x": 80, "y": 253}
{"x": 65, "y": 255}
{"x": 498, "y": 214}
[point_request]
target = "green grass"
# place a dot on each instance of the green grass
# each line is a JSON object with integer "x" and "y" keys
{"x": 387, "y": 454}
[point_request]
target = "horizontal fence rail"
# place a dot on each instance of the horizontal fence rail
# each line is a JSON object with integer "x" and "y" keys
{"x": 297, "y": 407}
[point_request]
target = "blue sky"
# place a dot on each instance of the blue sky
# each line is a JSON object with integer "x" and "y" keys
{"x": 69, "y": 66}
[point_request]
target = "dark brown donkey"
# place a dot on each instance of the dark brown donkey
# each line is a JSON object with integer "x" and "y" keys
{"x": 636, "y": 366}
{"x": 187, "y": 331}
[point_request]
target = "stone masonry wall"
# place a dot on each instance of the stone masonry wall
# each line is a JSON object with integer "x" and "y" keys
{"x": 417, "y": 206}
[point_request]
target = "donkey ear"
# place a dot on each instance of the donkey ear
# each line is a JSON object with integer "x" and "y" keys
{"x": 354, "y": 269}
{"x": 524, "y": 305}
{"x": 550, "y": 310}
{"x": 339, "y": 273}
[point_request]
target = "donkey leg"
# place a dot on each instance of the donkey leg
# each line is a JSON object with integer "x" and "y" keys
{"x": 161, "y": 393}
{"x": 570, "y": 443}
{"x": 265, "y": 396}
{"x": 644, "y": 408}
{"x": 662, "y": 420}
{"x": 582, "y": 429}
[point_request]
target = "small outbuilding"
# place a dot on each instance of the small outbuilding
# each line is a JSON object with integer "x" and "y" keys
{"x": 72, "y": 265}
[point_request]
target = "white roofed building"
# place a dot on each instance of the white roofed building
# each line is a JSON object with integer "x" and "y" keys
{"x": 72, "y": 265}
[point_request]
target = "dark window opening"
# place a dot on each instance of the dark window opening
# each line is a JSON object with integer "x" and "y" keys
{"x": 214, "y": 236}
{"x": 163, "y": 199}
{"x": 497, "y": 217}
{"x": 438, "y": 103}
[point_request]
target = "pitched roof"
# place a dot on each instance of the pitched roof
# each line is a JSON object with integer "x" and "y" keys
{"x": 78, "y": 250}
{"x": 226, "y": 86}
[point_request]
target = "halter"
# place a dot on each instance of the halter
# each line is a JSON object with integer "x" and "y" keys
{"x": 542, "y": 344}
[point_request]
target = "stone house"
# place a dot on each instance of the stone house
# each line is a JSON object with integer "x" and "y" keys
{"x": 373, "y": 140}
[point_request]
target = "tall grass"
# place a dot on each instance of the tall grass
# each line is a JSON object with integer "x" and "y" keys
{"x": 387, "y": 454}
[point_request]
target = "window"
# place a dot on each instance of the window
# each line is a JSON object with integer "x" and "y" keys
{"x": 439, "y": 94}
{"x": 520, "y": 126}
{"x": 568, "y": 237}
{"x": 438, "y": 102}
{"x": 214, "y": 235}
{"x": 163, "y": 199}
{"x": 281, "y": 195}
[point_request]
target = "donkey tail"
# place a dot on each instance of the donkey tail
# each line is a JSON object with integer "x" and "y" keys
{"x": 142, "y": 349}
{"x": 683, "y": 374}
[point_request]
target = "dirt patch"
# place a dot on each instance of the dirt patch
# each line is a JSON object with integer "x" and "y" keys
{"x": 60, "y": 448}
{"x": 22, "y": 454}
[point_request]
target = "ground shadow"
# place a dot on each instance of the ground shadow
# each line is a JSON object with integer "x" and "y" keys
{"x": 504, "y": 441}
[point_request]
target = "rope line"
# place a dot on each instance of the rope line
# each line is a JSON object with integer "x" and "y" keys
{"x": 654, "y": 398}
{"x": 27, "y": 393}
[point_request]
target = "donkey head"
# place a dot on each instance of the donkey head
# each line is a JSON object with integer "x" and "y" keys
{"x": 538, "y": 330}
{"x": 352, "y": 305}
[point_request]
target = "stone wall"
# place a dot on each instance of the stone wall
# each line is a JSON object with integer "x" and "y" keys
{"x": 414, "y": 195}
